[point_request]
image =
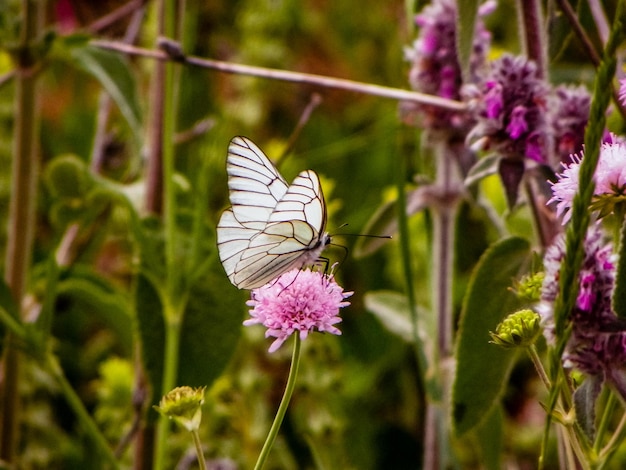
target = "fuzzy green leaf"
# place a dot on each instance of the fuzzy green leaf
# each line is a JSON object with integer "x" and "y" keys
{"x": 384, "y": 222}
{"x": 484, "y": 167}
{"x": 483, "y": 368}
{"x": 210, "y": 331}
{"x": 101, "y": 298}
{"x": 585, "y": 398}
{"x": 113, "y": 72}
{"x": 489, "y": 436}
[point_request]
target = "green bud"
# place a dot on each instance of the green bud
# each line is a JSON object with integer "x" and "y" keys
{"x": 529, "y": 287}
{"x": 519, "y": 329}
{"x": 183, "y": 405}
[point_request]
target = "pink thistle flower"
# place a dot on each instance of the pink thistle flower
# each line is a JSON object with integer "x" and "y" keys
{"x": 564, "y": 190}
{"x": 610, "y": 179}
{"x": 298, "y": 301}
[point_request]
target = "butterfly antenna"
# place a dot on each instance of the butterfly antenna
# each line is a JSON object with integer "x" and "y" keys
{"x": 368, "y": 235}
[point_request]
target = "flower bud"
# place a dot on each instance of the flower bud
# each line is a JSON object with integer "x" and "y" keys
{"x": 183, "y": 405}
{"x": 519, "y": 329}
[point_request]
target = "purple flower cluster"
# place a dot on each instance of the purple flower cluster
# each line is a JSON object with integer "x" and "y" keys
{"x": 435, "y": 68}
{"x": 597, "y": 346}
{"x": 510, "y": 110}
{"x": 569, "y": 114}
{"x": 298, "y": 301}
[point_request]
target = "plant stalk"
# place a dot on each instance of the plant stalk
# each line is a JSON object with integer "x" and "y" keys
{"x": 22, "y": 211}
{"x": 284, "y": 404}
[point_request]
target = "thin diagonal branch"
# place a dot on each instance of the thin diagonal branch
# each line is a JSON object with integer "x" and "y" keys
{"x": 288, "y": 76}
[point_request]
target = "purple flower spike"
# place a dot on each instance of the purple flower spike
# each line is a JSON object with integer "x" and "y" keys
{"x": 511, "y": 109}
{"x": 569, "y": 109}
{"x": 435, "y": 68}
{"x": 298, "y": 301}
{"x": 597, "y": 345}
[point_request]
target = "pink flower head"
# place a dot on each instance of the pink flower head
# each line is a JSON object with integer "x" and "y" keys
{"x": 298, "y": 301}
{"x": 564, "y": 190}
{"x": 610, "y": 177}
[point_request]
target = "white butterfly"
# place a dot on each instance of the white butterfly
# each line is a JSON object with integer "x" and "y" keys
{"x": 272, "y": 227}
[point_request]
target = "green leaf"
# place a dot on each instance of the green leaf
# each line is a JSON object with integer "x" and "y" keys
{"x": 210, "y": 330}
{"x": 619, "y": 294}
{"x": 483, "y": 368}
{"x": 490, "y": 439}
{"x": 113, "y": 72}
{"x": 484, "y": 167}
{"x": 151, "y": 330}
{"x": 585, "y": 398}
{"x": 100, "y": 298}
{"x": 385, "y": 220}
{"x": 466, "y": 24}
{"x": 393, "y": 312}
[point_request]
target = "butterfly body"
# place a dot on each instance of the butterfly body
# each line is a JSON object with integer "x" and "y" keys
{"x": 271, "y": 227}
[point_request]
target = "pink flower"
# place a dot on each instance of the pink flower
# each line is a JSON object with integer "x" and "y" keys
{"x": 610, "y": 177}
{"x": 298, "y": 301}
{"x": 564, "y": 190}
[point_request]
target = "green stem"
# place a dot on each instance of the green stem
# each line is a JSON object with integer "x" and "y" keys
{"x": 534, "y": 356}
{"x": 199, "y": 452}
{"x": 444, "y": 216}
{"x": 406, "y": 257}
{"x": 170, "y": 371}
{"x": 22, "y": 210}
{"x": 81, "y": 413}
{"x": 284, "y": 404}
{"x": 577, "y": 229}
{"x": 614, "y": 443}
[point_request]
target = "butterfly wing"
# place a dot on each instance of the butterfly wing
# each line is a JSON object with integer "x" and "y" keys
{"x": 281, "y": 246}
{"x": 271, "y": 227}
{"x": 254, "y": 183}
{"x": 293, "y": 237}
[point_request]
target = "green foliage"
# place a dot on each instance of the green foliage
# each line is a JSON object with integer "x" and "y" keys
{"x": 113, "y": 73}
{"x": 482, "y": 368}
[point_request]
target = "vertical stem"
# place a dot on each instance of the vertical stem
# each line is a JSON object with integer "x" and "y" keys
{"x": 21, "y": 214}
{"x": 443, "y": 248}
{"x": 284, "y": 403}
{"x": 534, "y": 36}
{"x": 437, "y": 452}
{"x": 406, "y": 257}
{"x": 174, "y": 301}
{"x": 170, "y": 371}
{"x": 199, "y": 452}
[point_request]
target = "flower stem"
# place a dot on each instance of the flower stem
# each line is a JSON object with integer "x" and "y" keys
{"x": 437, "y": 454}
{"x": 170, "y": 370}
{"x": 198, "y": 445}
{"x": 534, "y": 356}
{"x": 284, "y": 403}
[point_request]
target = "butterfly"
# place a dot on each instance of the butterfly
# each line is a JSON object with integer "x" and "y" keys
{"x": 271, "y": 226}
